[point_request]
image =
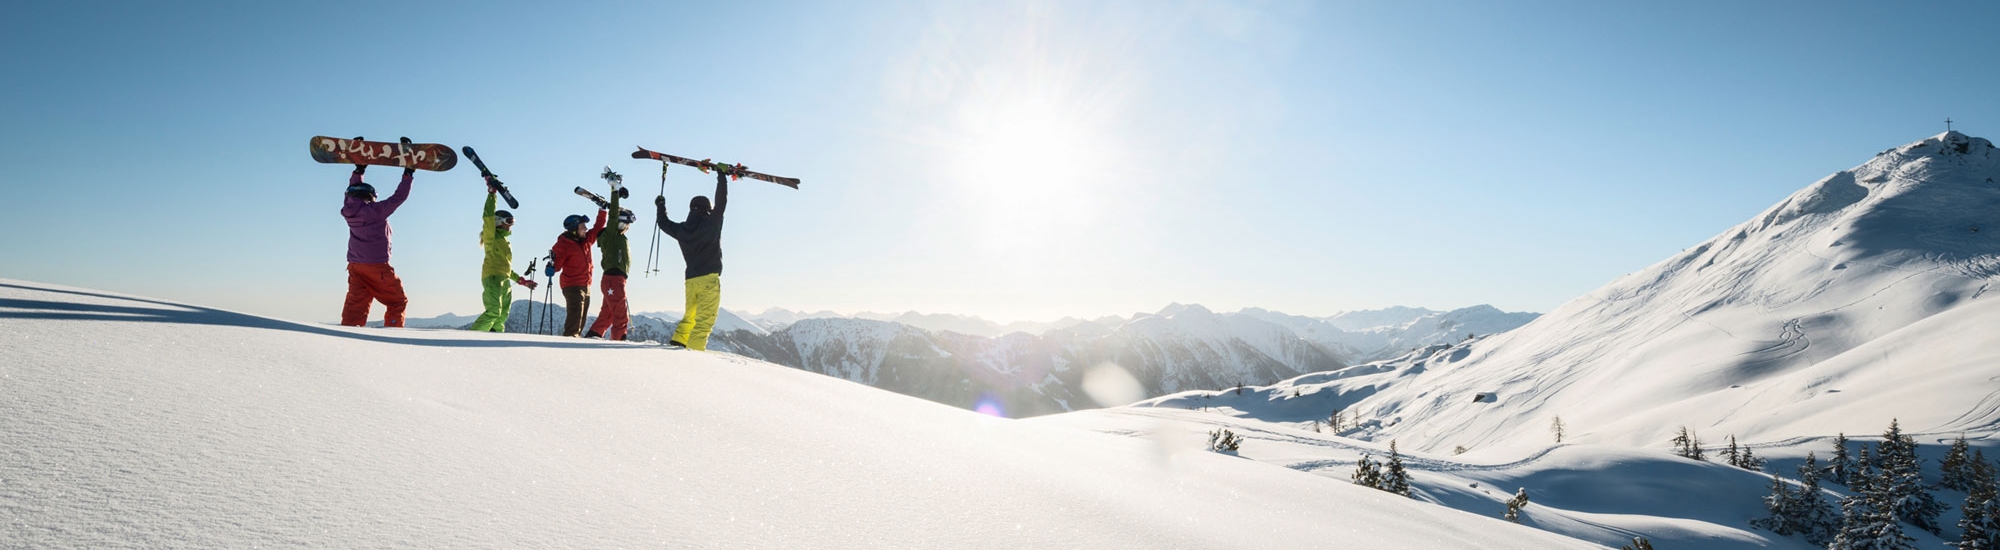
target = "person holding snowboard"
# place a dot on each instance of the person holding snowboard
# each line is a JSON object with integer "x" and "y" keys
{"x": 571, "y": 256}
{"x": 614, "y": 319}
{"x": 700, "y": 238}
{"x": 497, "y": 274}
{"x": 369, "y": 277}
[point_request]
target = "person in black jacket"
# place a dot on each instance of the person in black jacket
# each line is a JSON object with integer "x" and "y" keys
{"x": 700, "y": 238}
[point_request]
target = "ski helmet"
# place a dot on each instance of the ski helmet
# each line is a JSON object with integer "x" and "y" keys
{"x": 574, "y": 221}
{"x": 360, "y": 190}
{"x": 626, "y": 216}
{"x": 698, "y": 203}
{"x": 502, "y": 217}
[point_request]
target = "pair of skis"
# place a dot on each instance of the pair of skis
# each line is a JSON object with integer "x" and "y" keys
{"x": 618, "y": 186}
{"x": 735, "y": 171}
{"x": 491, "y": 180}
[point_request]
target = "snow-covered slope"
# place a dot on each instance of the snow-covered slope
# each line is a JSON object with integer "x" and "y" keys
{"x": 1861, "y": 298}
{"x": 134, "y": 423}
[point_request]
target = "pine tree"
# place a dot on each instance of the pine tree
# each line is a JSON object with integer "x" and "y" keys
{"x": 1902, "y": 483}
{"x": 1866, "y": 522}
{"x": 1638, "y": 543}
{"x": 1556, "y": 427}
{"x": 1813, "y": 517}
{"x": 1333, "y": 422}
{"x": 1783, "y": 507}
{"x": 1687, "y": 444}
{"x": 1981, "y": 524}
{"x": 1840, "y": 464}
{"x": 1367, "y": 473}
{"x": 1750, "y": 461}
{"x": 1396, "y": 480}
{"x": 1954, "y": 471}
{"x": 1729, "y": 455}
{"x": 1515, "y": 505}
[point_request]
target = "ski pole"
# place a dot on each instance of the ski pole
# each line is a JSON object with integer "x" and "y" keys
{"x": 549, "y": 294}
{"x": 529, "y": 274}
{"x": 653, "y": 258}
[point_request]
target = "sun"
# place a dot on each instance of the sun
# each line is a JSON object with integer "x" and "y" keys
{"x": 1030, "y": 167}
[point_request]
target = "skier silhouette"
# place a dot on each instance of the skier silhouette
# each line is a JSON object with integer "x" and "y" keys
{"x": 700, "y": 238}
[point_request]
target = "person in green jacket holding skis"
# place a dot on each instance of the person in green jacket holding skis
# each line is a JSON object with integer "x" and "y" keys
{"x": 497, "y": 274}
{"x": 614, "y": 317}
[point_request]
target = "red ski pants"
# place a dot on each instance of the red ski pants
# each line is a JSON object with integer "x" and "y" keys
{"x": 367, "y": 283}
{"x": 613, "y": 320}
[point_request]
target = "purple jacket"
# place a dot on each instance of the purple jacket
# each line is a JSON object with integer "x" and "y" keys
{"x": 368, "y": 224}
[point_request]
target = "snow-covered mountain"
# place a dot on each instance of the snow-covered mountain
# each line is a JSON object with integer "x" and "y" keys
{"x": 1180, "y": 347}
{"x": 1177, "y": 348}
{"x": 1862, "y": 298}
{"x": 774, "y": 319}
{"x": 181, "y": 426}
{"x": 1381, "y": 334}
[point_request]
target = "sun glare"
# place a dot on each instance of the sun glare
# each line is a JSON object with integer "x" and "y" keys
{"x": 1028, "y": 165}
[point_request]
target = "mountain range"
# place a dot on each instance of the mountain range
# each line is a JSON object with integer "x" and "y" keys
{"x": 1177, "y": 348}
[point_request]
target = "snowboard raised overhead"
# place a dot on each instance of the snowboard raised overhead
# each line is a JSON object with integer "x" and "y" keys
{"x": 705, "y": 166}
{"x": 491, "y": 180}
{"x": 421, "y": 156}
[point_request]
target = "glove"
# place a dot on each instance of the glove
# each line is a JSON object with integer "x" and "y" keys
{"x": 407, "y": 172}
{"x": 359, "y": 168}
{"x": 530, "y": 283}
{"x": 549, "y": 271}
{"x": 624, "y": 192}
{"x": 660, "y": 201}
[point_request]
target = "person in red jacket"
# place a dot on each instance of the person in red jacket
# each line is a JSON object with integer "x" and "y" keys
{"x": 571, "y": 256}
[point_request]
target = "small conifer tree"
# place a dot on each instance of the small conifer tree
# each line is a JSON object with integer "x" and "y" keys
{"x": 1514, "y": 505}
{"x": 1815, "y": 518}
{"x": 1223, "y": 440}
{"x": 1367, "y": 473}
{"x": 1638, "y": 543}
{"x": 1396, "y": 480}
{"x": 1955, "y": 472}
{"x": 1840, "y": 464}
{"x": 1687, "y": 444}
{"x": 1556, "y": 427}
{"x": 1901, "y": 483}
{"x": 1783, "y": 507}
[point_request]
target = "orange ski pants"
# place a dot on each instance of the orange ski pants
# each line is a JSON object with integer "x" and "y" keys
{"x": 368, "y": 283}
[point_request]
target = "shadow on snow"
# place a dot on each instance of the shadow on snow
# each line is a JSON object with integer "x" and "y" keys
{"x": 14, "y": 308}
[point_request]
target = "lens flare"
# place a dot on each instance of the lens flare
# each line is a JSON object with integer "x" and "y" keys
{"x": 1110, "y": 386}
{"x": 990, "y": 406}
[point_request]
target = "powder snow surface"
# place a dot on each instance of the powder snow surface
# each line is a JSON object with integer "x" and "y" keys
{"x": 133, "y": 423}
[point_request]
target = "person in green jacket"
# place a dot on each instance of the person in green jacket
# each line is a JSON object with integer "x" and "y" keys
{"x": 497, "y": 274}
{"x": 614, "y": 317}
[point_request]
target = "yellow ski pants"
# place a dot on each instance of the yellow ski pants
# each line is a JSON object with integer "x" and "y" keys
{"x": 704, "y": 296}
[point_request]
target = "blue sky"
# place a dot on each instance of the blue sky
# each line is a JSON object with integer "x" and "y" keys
{"x": 1011, "y": 160}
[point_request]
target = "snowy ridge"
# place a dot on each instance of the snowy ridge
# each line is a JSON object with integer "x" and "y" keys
{"x": 1856, "y": 300}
